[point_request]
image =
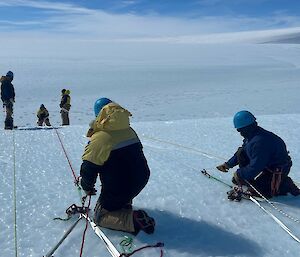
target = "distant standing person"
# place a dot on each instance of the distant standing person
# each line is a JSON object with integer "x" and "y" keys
{"x": 65, "y": 105}
{"x": 8, "y": 98}
{"x": 43, "y": 116}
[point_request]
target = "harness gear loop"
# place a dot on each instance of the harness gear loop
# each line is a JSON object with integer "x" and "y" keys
{"x": 275, "y": 182}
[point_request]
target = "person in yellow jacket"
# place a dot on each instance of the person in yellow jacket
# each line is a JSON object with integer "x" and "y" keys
{"x": 65, "y": 105}
{"x": 43, "y": 116}
{"x": 115, "y": 154}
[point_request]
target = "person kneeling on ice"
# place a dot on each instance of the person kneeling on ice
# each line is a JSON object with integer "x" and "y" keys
{"x": 115, "y": 153}
{"x": 263, "y": 160}
{"x": 43, "y": 116}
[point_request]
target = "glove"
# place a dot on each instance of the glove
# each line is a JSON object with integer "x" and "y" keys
{"x": 93, "y": 191}
{"x": 236, "y": 179}
{"x": 223, "y": 167}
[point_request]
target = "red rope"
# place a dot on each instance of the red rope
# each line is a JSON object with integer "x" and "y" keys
{"x": 85, "y": 229}
{"x": 144, "y": 247}
{"x": 74, "y": 175}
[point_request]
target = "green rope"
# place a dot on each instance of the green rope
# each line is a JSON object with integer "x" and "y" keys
{"x": 204, "y": 172}
{"x": 126, "y": 244}
{"x": 63, "y": 219}
{"x": 15, "y": 196}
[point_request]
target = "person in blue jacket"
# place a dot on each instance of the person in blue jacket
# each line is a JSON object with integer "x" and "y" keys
{"x": 263, "y": 159}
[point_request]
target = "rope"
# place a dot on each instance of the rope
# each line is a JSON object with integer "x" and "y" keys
{"x": 15, "y": 196}
{"x": 73, "y": 172}
{"x": 273, "y": 205}
{"x": 203, "y": 153}
{"x": 204, "y": 172}
{"x": 65, "y": 152}
{"x": 126, "y": 244}
{"x": 79, "y": 191}
{"x": 85, "y": 229}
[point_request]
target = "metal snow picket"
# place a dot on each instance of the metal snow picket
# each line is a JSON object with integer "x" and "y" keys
{"x": 49, "y": 254}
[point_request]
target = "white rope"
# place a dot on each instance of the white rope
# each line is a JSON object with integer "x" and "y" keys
{"x": 279, "y": 222}
{"x": 109, "y": 245}
{"x": 203, "y": 153}
{"x": 273, "y": 205}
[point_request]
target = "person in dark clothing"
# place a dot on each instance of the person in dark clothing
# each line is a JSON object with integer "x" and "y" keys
{"x": 263, "y": 159}
{"x": 43, "y": 116}
{"x": 8, "y": 98}
{"x": 115, "y": 154}
{"x": 65, "y": 105}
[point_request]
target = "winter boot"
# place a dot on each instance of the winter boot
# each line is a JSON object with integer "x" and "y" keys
{"x": 9, "y": 123}
{"x": 288, "y": 186}
{"x": 235, "y": 194}
{"x": 143, "y": 222}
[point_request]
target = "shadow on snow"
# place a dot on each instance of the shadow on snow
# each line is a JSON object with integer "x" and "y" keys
{"x": 200, "y": 237}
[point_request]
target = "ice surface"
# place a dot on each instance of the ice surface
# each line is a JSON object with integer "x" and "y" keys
{"x": 182, "y": 100}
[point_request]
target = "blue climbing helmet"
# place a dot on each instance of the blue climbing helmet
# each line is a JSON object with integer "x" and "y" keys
{"x": 99, "y": 104}
{"x": 10, "y": 74}
{"x": 243, "y": 119}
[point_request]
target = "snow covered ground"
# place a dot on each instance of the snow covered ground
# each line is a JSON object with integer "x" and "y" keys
{"x": 182, "y": 107}
{"x": 160, "y": 81}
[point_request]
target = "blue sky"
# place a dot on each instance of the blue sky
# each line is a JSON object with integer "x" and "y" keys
{"x": 106, "y": 19}
{"x": 194, "y": 8}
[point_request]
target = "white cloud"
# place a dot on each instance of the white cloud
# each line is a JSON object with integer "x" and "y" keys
{"x": 63, "y": 7}
{"x": 75, "y": 22}
{"x": 20, "y": 23}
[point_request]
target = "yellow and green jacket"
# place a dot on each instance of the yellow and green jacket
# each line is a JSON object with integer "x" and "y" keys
{"x": 65, "y": 102}
{"x": 115, "y": 153}
{"x": 42, "y": 113}
{"x": 111, "y": 131}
